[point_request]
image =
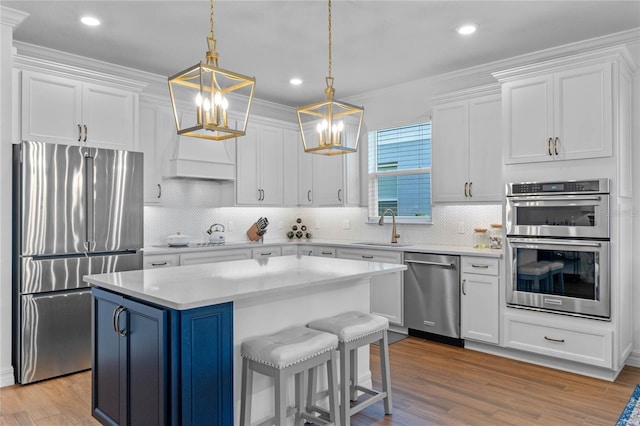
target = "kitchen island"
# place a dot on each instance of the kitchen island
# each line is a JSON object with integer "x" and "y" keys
{"x": 166, "y": 342}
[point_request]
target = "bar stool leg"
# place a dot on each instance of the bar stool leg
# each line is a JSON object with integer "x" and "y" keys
{"x": 246, "y": 393}
{"x": 281, "y": 398}
{"x": 385, "y": 372}
{"x": 345, "y": 403}
{"x": 334, "y": 403}
{"x": 299, "y": 399}
{"x": 353, "y": 391}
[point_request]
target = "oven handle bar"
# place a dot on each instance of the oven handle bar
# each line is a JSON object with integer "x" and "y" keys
{"x": 525, "y": 241}
{"x": 556, "y": 199}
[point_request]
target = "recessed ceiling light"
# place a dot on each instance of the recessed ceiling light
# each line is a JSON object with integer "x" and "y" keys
{"x": 467, "y": 29}
{"x": 295, "y": 81}
{"x": 90, "y": 21}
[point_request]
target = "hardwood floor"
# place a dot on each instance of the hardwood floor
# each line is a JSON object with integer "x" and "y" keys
{"x": 433, "y": 384}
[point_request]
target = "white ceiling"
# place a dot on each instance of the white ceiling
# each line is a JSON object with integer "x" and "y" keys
{"x": 375, "y": 43}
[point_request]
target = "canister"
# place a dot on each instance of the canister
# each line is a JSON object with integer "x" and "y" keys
{"x": 480, "y": 238}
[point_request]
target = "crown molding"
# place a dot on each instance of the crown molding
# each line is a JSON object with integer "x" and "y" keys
{"x": 11, "y": 17}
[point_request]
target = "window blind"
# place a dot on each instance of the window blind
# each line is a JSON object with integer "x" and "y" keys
{"x": 400, "y": 172}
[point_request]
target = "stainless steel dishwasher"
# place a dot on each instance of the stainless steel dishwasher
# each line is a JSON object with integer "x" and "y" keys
{"x": 432, "y": 297}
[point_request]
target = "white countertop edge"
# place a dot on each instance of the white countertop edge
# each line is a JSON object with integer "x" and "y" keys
{"x": 421, "y": 248}
{"x": 208, "y": 297}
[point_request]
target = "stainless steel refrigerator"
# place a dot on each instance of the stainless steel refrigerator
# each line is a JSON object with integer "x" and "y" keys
{"x": 76, "y": 211}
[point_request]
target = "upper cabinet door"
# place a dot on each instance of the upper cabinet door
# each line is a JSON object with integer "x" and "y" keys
{"x": 528, "y": 114}
{"x": 583, "y": 112}
{"x": 51, "y": 109}
{"x": 271, "y": 165}
{"x": 108, "y": 117}
{"x": 247, "y": 167}
{"x": 328, "y": 178}
{"x": 485, "y": 148}
{"x": 450, "y": 139}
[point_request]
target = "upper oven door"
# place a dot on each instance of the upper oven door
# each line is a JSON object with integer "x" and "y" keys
{"x": 575, "y": 216}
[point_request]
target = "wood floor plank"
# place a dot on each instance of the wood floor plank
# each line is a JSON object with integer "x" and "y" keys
{"x": 433, "y": 384}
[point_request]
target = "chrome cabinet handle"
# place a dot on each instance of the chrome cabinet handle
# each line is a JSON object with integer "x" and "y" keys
{"x": 475, "y": 265}
{"x": 327, "y": 252}
{"x": 555, "y": 145}
{"x": 309, "y": 195}
{"x": 340, "y": 195}
{"x": 86, "y": 133}
{"x": 116, "y": 320}
{"x": 470, "y": 184}
{"x": 466, "y": 185}
{"x": 159, "y": 264}
{"x": 159, "y": 190}
{"x": 549, "y": 146}
{"x": 262, "y": 199}
{"x": 464, "y": 292}
{"x": 367, "y": 257}
{"x": 551, "y": 339}
{"x": 265, "y": 254}
{"x": 79, "y": 132}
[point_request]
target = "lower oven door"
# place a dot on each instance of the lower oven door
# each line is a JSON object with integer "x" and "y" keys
{"x": 556, "y": 275}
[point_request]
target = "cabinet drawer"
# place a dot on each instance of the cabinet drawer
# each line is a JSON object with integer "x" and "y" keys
{"x": 289, "y": 250}
{"x": 160, "y": 261}
{"x": 324, "y": 251}
{"x": 588, "y": 346}
{"x": 214, "y": 256}
{"x": 266, "y": 252}
{"x": 480, "y": 265}
{"x": 370, "y": 255}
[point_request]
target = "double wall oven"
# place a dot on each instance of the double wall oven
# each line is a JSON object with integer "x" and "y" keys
{"x": 558, "y": 247}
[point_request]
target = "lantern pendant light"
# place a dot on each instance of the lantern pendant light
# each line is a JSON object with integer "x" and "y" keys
{"x": 330, "y": 127}
{"x": 215, "y": 102}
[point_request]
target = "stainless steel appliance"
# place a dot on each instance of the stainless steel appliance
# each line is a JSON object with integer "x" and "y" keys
{"x": 76, "y": 211}
{"x": 432, "y": 296}
{"x": 558, "y": 247}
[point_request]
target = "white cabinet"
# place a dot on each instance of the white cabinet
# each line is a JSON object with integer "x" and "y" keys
{"x": 157, "y": 134}
{"x": 290, "y": 167}
{"x": 260, "y": 164}
{"x": 570, "y": 339}
{"x": 264, "y": 252}
{"x": 160, "y": 261}
{"x": 313, "y": 250}
{"x": 467, "y": 149}
{"x": 561, "y": 115}
{"x": 67, "y": 111}
{"x": 480, "y": 299}
{"x": 386, "y": 290}
{"x": 305, "y": 177}
{"x": 214, "y": 256}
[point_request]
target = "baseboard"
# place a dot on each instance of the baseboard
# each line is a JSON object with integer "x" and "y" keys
{"x": 6, "y": 377}
{"x": 633, "y": 359}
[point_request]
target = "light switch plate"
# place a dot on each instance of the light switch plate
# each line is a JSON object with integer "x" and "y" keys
{"x": 346, "y": 224}
{"x": 460, "y": 227}
{"x": 230, "y": 226}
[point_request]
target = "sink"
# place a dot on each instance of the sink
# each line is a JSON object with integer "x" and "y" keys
{"x": 372, "y": 243}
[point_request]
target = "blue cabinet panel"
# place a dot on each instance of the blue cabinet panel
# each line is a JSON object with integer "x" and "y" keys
{"x": 153, "y": 365}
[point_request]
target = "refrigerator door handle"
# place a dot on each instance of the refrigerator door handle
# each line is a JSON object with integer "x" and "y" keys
{"x": 89, "y": 202}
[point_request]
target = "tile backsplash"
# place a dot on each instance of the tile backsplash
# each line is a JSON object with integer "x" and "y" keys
{"x": 192, "y": 206}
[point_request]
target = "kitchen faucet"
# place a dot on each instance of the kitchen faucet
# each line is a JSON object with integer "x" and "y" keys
{"x": 394, "y": 234}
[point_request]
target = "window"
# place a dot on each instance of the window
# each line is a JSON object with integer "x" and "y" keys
{"x": 400, "y": 173}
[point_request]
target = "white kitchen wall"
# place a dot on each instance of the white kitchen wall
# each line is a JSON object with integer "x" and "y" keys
{"x": 191, "y": 206}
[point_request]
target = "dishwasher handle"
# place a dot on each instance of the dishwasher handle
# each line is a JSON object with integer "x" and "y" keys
{"x": 425, "y": 262}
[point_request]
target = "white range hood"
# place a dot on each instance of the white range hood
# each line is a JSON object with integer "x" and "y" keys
{"x": 202, "y": 159}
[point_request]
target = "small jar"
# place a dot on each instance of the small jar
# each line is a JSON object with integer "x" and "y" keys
{"x": 480, "y": 238}
{"x": 495, "y": 236}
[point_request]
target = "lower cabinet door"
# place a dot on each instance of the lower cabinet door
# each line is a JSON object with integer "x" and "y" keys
{"x": 129, "y": 362}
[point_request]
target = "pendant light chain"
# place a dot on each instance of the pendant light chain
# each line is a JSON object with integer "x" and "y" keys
{"x": 329, "y": 7}
{"x": 211, "y": 20}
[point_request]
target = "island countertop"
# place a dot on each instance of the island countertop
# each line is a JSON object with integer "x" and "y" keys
{"x": 193, "y": 286}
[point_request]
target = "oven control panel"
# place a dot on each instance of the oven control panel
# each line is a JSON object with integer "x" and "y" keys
{"x": 596, "y": 186}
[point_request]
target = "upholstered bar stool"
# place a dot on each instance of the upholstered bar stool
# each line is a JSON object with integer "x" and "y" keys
{"x": 356, "y": 329}
{"x": 533, "y": 276}
{"x": 290, "y": 352}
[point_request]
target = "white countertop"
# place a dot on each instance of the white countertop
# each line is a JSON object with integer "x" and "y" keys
{"x": 421, "y": 248}
{"x": 186, "y": 287}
